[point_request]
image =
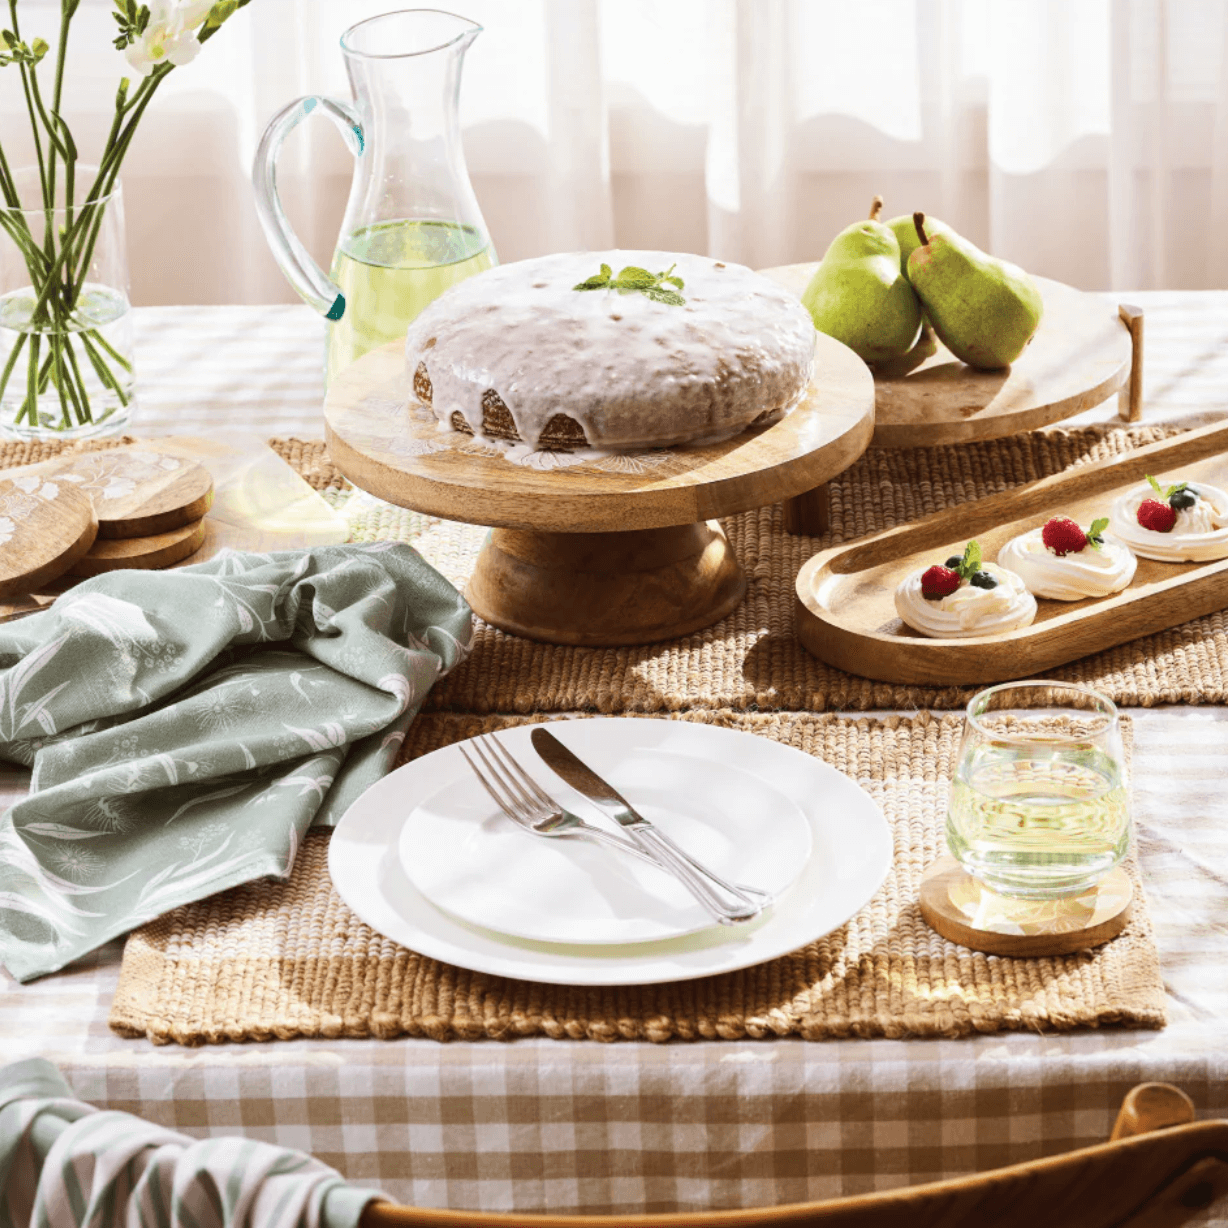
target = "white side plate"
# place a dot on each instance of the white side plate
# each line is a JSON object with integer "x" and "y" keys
{"x": 471, "y": 860}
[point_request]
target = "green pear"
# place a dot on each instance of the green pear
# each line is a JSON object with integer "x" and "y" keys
{"x": 859, "y": 296}
{"x": 926, "y": 347}
{"x": 984, "y": 310}
{"x": 905, "y": 231}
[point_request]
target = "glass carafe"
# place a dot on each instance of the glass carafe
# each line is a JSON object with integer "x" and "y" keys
{"x": 412, "y": 226}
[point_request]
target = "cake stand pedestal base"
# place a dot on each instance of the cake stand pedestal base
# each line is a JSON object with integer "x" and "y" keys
{"x": 606, "y": 589}
{"x": 963, "y": 910}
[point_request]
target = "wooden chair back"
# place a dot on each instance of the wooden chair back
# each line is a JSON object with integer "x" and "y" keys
{"x": 1159, "y": 1169}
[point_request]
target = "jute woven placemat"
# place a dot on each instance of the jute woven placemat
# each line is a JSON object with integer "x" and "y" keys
{"x": 289, "y": 959}
{"x": 752, "y": 658}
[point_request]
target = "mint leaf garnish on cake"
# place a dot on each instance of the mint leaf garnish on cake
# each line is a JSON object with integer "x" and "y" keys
{"x": 633, "y": 279}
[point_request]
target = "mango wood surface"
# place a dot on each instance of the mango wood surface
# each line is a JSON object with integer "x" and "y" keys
{"x": 45, "y": 528}
{"x": 143, "y": 553}
{"x": 1081, "y": 355}
{"x": 959, "y": 908}
{"x": 136, "y": 491}
{"x": 845, "y": 611}
{"x": 385, "y": 442}
{"x": 606, "y": 589}
{"x": 1156, "y": 1180}
{"x": 1152, "y": 1106}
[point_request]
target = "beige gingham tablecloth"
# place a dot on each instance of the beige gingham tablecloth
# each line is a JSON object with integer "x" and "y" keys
{"x": 539, "y": 1124}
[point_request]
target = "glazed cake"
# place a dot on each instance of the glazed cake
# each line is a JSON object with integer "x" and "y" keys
{"x": 519, "y": 353}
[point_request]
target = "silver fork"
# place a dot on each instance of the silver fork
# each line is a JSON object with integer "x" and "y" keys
{"x": 523, "y": 800}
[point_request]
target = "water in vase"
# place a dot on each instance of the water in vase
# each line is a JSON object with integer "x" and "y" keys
{"x": 93, "y": 357}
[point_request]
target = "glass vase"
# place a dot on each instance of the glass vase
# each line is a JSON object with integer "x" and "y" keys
{"x": 66, "y": 343}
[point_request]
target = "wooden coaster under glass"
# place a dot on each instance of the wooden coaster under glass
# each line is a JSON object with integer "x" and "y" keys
{"x": 964, "y": 910}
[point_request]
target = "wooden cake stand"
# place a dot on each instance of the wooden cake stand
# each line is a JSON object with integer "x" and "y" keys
{"x": 595, "y": 548}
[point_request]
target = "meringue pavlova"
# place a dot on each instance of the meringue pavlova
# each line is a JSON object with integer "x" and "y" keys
{"x": 964, "y": 597}
{"x": 1175, "y": 524}
{"x": 1061, "y": 561}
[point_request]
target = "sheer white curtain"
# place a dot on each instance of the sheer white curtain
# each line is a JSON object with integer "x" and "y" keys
{"x": 1085, "y": 139}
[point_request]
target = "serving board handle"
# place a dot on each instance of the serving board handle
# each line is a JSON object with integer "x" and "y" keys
{"x": 1130, "y": 398}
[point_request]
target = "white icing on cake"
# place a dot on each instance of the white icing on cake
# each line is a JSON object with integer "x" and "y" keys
{"x": 1068, "y": 577}
{"x": 968, "y": 610}
{"x": 633, "y": 372}
{"x": 1199, "y": 534}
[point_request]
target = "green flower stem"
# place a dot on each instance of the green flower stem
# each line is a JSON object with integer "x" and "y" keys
{"x": 25, "y": 85}
{"x": 59, "y": 381}
{"x": 97, "y": 337}
{"x": 108, "y": 172}
{"x": 30, "y": 408}
{"x": 67, "y": 9}
{"x": 104, "y": 373}
{"x": 44, "y": 376}
{"x": 12, "y": 362}
{"x": 83, "y": 401}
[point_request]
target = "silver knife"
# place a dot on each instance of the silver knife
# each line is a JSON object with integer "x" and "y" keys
{"x": 701, "y": 881}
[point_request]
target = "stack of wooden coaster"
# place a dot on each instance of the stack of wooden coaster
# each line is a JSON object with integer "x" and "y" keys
{"x": 90, "y": 512}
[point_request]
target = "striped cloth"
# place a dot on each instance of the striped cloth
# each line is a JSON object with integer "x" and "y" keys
{"x": 536, "y": 1124}
{"x": 64, "y": 1164}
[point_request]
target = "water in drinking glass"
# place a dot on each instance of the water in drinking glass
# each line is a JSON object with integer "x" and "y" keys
{"x": 1038, "y": 806}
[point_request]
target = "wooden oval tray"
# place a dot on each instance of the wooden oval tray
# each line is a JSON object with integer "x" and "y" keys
{"x": 1086, "y": 349}
{"x": 845, "y": 609}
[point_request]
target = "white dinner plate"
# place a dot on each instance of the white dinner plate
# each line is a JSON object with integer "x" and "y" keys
{"x": 468, "y": 858}
{"x": 850, "y": 854}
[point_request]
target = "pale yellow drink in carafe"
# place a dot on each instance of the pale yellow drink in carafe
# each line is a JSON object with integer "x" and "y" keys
{"x": 388, "y": 273}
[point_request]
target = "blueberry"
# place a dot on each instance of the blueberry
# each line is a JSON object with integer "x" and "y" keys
{"x": 954, "y": 561}
{"x": 1182, "y": 499}
{"x": 982, "y": 579}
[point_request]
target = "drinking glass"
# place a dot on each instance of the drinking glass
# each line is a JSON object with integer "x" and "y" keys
{"x": 1038, "y": 807}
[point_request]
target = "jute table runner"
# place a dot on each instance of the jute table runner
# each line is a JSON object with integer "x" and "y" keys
{"x": 752, "y": 658}
{"x": 289, "y": 959}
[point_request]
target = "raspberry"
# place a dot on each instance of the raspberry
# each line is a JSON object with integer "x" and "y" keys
{"x": 938, "y": 582}
{"x": 1157, "y": 516}
{"x": 1063, "y": 536}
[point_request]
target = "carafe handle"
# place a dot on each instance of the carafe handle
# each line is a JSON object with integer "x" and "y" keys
{"x": 302, "y": 272}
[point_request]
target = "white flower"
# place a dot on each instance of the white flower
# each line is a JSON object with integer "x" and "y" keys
{"x": 7, "y": 529}
{"x": 170, "y": 34}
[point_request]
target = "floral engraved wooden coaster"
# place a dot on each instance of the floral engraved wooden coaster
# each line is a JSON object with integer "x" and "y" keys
{"x": 45, "y": 527}
{"x": 144, "y": 553}
{"x": 137, "y": 492}
{"x": 967, "y": 912}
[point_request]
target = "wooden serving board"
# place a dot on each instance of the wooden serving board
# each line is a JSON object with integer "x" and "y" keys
{"x": 845, "y": 611}
{"x": 137, "y": 491}
{"x": 1085, "y": 349}
{"x": 45, "y": 528}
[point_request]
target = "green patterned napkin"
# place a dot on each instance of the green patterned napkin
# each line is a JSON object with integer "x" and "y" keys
{"x": 187, "y": 727}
